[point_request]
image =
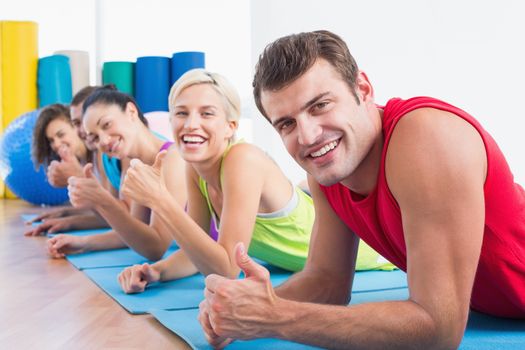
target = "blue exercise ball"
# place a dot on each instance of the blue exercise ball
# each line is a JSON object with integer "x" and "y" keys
{"x": 16, "y": 165}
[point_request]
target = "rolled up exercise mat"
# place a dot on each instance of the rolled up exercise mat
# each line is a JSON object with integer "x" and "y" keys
{"x": 54, "y": 80}
{"x": 2, "y": 186}
{"x": 18, "y": 72}
{"x": 121, "y": 74}
{"x": 181, "y": 62}
{"x": 79, "y": 65}
{"x": 152, "y": 83}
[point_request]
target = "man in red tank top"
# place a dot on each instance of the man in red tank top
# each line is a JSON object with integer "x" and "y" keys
{"x": 419, "y": 180}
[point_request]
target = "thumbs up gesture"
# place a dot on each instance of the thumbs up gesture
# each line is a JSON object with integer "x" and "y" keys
{"x": 85, "y": 191}
{"x": 238, "y": 309}
{"x": 143, "y": 183}
{"x": 59, "y": 171}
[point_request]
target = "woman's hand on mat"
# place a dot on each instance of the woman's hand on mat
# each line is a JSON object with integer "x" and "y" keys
{"x": 239, "y": 309}
{"x": 134, "y": 279}
{"x": 61, "y": 245}
{"x": 51, "y": 226}
{"x": 86, "y": 191}
{"x": 143, "y": 183}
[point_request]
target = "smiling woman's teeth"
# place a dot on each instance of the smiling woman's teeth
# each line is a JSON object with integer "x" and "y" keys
{"x": 324, "y": 150}
{"x": 193, "y": 139}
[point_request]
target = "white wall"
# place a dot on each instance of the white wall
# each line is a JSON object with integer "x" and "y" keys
{"x": 127, "y": 29}
{"x": 62, "y": 24}
{"x": 469, "y": 53}
{"x": 134, "y": 28}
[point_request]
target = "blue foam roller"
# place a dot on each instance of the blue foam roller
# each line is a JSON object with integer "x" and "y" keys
{"x": 152, "y": 83}
{"x": 181, "y": 62}
{"x": 17, "y": 169}
{"x": 54, "y": 80}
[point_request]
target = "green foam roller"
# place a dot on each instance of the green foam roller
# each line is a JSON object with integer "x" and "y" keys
{"x": 122, "y": 74}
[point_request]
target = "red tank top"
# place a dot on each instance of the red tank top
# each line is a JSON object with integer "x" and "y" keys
{"x": 499, "y": 286}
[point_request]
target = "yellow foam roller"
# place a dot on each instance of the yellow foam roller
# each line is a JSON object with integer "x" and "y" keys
{"x": 19, "y": 61}
{"x": 2, "y": 186}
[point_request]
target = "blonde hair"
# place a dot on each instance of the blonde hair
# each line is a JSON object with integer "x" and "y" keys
{"x": 232, "y": 101}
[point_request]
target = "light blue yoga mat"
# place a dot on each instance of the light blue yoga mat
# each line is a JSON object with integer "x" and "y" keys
{"x": 179, "y": 294}
{"x": 379, "y": 295}
{"x": 364, "y": 281}
{"x": 111, "y": 258}
{"x": 483, "y": 332}
{"x": 172, "y": 295}
{"x": 29, "y": 217}
{"x": 491, "y": 333}
{"x": 184, "y": 323}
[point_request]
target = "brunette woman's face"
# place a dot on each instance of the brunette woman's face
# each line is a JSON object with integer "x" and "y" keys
{"x": 110, "y": 128}
{"x": 61, "y": 134}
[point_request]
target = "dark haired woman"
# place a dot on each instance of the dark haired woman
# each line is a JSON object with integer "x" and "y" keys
{"x": 56, "y": 141}
{"x": 116, "y": 126}
{"x": 55, "y": 138}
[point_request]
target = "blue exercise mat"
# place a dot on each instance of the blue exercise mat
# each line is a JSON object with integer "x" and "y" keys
{"x": 364, "y": 281}
{"x": 184, "y": 323}
{"x": 172, "y": 295}
{"x": 483, "y": 332}
{"x": 179, "y": 294}
{"x": 492, "y": 333}
{"x": 29, "y": 217}
{"x": 88, "y": 232}
{"x": 373, "y": 296}
{"x": 111, "y": 258}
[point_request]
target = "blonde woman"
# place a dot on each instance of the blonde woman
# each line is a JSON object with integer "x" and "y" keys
{"x": 235, "y": 183}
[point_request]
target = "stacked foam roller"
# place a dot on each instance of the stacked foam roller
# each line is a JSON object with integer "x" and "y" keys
{"x": 18, "y": 59}
{"x": 149, "y": 79}
{"x": 25, "y": 83}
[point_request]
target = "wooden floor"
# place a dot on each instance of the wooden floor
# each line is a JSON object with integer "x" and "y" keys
{"x": 49, "y": 304}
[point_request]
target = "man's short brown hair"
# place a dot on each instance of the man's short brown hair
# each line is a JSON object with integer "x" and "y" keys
{"x": 288, "y": 58}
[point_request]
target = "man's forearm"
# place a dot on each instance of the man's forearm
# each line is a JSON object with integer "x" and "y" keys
{"x": 385, "y": 325}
